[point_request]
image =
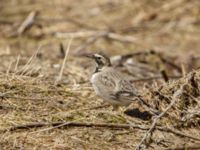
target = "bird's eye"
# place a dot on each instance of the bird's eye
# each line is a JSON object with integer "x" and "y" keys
{"x": 99, "y": 58}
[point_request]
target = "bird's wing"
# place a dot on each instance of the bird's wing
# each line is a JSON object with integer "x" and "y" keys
{"x": 107, "y": 83}
{"x": 124, "y": 90}
{"x": 126, "y": 86}
{"x": 114, "y": 84}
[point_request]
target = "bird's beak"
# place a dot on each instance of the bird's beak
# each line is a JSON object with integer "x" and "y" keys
{"x": 89, "y": 56}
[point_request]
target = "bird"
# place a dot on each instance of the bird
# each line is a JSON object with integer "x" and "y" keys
{"x": 111, "y": 85}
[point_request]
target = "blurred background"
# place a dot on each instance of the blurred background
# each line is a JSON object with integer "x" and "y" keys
{"x": 170, "y": 25}
{"x": 113, "y": 27}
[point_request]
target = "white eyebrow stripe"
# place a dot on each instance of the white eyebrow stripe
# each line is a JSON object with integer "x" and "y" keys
{"x": 97, "y": 55}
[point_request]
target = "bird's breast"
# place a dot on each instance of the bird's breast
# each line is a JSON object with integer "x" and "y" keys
{"x": 94, "y": 80}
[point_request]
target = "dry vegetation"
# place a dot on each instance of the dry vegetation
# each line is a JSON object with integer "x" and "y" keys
{"x": 39, "y": 109}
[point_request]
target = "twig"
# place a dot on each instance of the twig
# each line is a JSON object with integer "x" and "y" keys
{"x": 16, "y": 65}
{"x": 164, "y": 75}
{"x": 9, "y": 67}
{"x": 98, "y": 125}
{"x": 80, "y": 34}
{"x": 176, "y": 132}
{"x": 28, "y": 22}
{"x": 183, "y": 70}
{"x": 75, "y": 124}
{"x": 148, "y": 107}
{"x": 62, "y": 51}
{"x": 175, "y": 97}
{"x": 121, "y": 38}
{"x": 166, "y": 61}
{"x": 64, "y": 61}
{"x": 28, "y": 64}
{"x": 33, "y": 71}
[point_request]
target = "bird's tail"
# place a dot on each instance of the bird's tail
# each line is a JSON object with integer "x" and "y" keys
{"x": 148, "y": 106}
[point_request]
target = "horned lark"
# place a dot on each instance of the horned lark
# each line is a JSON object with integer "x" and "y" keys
{"x": 112, "y": 85}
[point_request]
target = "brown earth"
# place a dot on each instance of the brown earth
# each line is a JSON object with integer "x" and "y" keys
{"x": 162, "y": 36}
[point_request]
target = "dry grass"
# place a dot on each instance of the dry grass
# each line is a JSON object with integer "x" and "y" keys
{"x": 28, "y": 73}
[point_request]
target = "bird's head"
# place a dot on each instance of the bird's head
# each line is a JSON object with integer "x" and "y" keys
{"x": 101, "y": 61}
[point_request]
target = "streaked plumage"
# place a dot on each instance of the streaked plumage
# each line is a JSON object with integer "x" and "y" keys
{"x": 110, "y": 84}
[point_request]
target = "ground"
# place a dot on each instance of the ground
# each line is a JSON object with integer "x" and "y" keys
{"x": 162, "y": 38}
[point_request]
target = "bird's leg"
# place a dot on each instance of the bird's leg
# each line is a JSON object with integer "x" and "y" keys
{"x": 116, "y": 107}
